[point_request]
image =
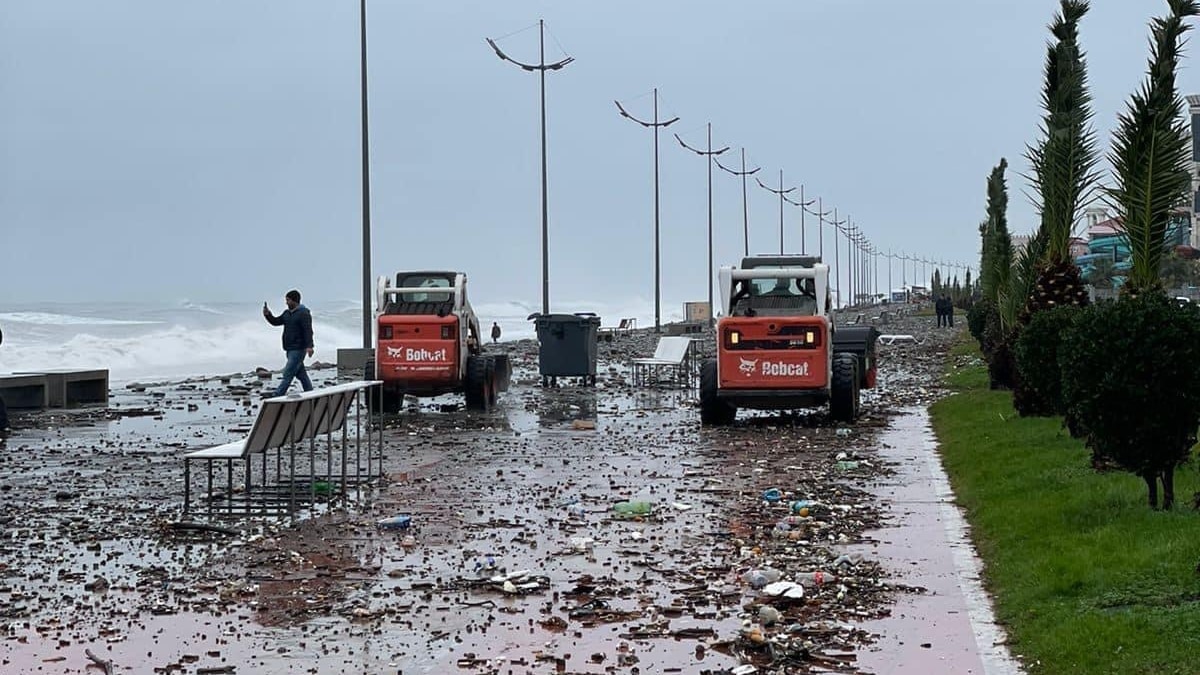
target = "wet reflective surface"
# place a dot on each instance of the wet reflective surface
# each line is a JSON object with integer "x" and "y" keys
{"x": 516, "y": 559}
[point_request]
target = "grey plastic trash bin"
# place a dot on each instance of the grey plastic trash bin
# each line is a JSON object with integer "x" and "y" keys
{"x": 567, "y": 346}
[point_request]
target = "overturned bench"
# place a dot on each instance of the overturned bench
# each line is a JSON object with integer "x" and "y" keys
{"x": 286, "y": 422}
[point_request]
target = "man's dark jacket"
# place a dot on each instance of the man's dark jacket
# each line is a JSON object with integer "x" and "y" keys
{"x": 297, "y": 328}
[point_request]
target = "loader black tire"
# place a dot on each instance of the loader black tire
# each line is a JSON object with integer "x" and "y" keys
{"x": 713, "y": 411}
{"x": 476, "y": 386}
{"x": 844, "y": 389}
{"x": 392, "y": 399}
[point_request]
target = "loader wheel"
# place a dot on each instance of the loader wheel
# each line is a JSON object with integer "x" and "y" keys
{"x": 475, "y": 389}
{"x": 713, "y": 410}
{"x": 843, "y": 403}
{"x": 491, "y": 386}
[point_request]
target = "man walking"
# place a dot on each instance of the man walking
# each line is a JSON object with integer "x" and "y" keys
{"x": 939, "y": 309}
{"x": 297, "y": 340}
{"x": 495, "y": 332}
{"x": 949, "y": 312}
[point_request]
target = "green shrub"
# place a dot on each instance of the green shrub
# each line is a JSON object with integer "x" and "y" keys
{"x": 977, "y": 319}
{"x": 1127, "y": 378}
{"x": 1038, "y": 390}
{"x": 997, "y": 350}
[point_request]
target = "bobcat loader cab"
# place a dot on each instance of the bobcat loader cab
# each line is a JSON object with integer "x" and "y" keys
{"x": 777, "y": 346}
{"x": 428, "y": 342}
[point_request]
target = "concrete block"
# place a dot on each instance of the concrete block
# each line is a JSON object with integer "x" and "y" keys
{"x": 24, "y": 391}
{"x": 350, "y": 362}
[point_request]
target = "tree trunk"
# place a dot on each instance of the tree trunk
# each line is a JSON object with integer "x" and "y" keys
{"x": 1151, "y": 478}
{"x": 1168, "y": 481}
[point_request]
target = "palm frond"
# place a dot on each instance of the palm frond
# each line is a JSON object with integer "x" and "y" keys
{"x": 1064, "y": 174}
{"x": 1151, "y": 151}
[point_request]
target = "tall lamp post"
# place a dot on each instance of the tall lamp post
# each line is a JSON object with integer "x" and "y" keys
{"x": 366, "y": 182}
{"x": 745, "y": 205}
{"x": 541, "y": 67}
{"x": 708, "y": 155}
{"x": 837, "y": 265}
{"x": 781, "y": 192}
{"x": 820, "y": 213}
{"x": 655, "y": 124}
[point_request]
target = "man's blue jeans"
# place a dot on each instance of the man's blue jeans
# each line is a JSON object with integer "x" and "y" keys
{"x": 294, "y": 368}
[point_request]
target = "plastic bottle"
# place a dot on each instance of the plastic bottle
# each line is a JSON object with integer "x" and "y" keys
{"x": 629, "y": 509}
{"x": 757, "y": 578}
{"x": 772, "y": 495}
{"x": 395, "y": 523}
{"x": 817, "y": 578}
{"x": 576, "y": 510}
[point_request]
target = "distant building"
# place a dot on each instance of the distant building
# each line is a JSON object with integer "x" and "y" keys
{"x": 1194, "y": 213}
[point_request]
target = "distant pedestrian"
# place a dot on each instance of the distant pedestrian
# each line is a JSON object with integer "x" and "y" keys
{"x": 495, "y": 332}
{"x": 939, "y": 309}
{"x": 949, "y": 312}
{"x": 297, "y": 339}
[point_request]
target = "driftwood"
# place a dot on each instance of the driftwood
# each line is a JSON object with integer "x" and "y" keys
{"x": 105, "y": 664}
{"x": 204, "y": 527}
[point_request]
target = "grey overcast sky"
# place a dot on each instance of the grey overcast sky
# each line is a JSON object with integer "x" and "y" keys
{"x": 163, "y": 149}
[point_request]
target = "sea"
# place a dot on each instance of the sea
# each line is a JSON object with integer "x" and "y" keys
{"x": 176, "y": 340}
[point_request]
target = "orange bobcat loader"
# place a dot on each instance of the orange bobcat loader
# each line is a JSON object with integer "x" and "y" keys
{"x": 427, "y": 343}
{"x": 777, "y": 346}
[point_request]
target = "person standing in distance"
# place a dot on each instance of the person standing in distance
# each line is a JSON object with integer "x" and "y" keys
{"x": 495, "y": 332}
{"x": 297, "y": 339}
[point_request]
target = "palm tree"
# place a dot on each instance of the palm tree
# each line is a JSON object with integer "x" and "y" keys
{"x": 1150, "y": 153}
{"x": 997, "y": 242}
{"x": 1121, "y": 378}
{"x": 1064, "y": 162}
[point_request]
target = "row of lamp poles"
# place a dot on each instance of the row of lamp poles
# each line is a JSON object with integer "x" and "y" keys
{"x": 861, "y": 270}
{"x": 854, "y": 236}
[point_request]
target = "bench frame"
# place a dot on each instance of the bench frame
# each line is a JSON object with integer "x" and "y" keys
{"x": 286, "y": 422}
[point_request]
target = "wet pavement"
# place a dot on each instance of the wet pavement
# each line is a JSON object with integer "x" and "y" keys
{"x": 949, "y": 627}
{"x": 731, "y": 557}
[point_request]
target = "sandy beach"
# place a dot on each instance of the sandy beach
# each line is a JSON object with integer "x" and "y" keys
{"x": 90, "y": 562}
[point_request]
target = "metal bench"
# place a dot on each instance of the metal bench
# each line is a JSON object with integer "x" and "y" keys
{"x": 285, "y": 422}
{"x": 671, "y": 357}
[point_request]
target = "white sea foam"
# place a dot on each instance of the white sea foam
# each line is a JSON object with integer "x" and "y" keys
{"x": 52, "y": 319}
{"x": 190, "y": 339}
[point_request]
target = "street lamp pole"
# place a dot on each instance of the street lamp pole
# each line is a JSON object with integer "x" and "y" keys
{"x": 657, "y": 249}
{"x": 837, "y": 265}
{"x": 745, "y": 204}
{"x": 781, "y": 192}
{"x": 541, "y": 67}
{"x": 708, "y": 156}
{"x": 366, "y": 182}
{"x": 820, "y": 214}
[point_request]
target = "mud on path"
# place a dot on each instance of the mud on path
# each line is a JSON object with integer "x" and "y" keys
{"x": 515, "y": 560}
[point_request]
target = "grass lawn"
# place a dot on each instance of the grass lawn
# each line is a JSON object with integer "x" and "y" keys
{"x": 1085, "y": 576}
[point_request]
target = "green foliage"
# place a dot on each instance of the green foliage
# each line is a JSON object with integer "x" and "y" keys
{"x": 1084, "y": 578}
{"x": 997, "y": 254}
{"x": 997, "y": 350}
{"x": 1022, "y": 280}
{"x": 1036, "y": 354}
{"x": 1178, "y": 272}
{"x": 1126, "y": 378}
{"x": 977, "y": 318}
{"x": 1102, "y": 272}
{"x": 1064, "y": 161}
{"x": 1151, "y": 152}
